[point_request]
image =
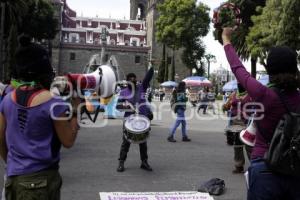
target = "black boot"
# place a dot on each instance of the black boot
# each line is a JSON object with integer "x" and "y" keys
{"x": 121, "y": 167}
{"x": 186, "y": 139}
{"x": 146, "y": 166}
{"x": 238, "y": 170}
{"x": 171, "y": 139}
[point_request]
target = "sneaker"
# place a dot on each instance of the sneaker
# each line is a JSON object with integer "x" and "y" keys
{"x": 121, "y": 167}
{"x": 238, "y": 170}
{"x": 186, "y": 139}
{"x": 146, "y": 166}
{"x": 171, "y": 139}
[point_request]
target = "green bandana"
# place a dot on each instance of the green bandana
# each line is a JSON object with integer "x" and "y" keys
{"x": 16, "y": 83}
{"x": 240, "y": 94}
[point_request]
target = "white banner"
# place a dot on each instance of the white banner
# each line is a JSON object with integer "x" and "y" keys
{"x": 189, "y": 195}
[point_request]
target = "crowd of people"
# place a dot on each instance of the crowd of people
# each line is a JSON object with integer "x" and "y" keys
{"x": 32, "y": 130}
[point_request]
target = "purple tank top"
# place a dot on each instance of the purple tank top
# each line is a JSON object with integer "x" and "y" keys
{"x": 31, "y": 139}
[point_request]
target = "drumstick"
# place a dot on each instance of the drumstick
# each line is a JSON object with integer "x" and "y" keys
{"x": 131, "y": 107}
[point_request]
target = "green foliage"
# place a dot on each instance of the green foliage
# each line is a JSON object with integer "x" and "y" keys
{"x": 179, "y": 20}
{"x": 219, "y": 97}
{"x": 193, "y": 51}
{"x": 289, "y": 26}
{"x": 15, "y": 10}
{"x": 248, "y": 9}
{"x": 32, "y": 17}
{"x": 39, "y": 22}
{"x": 180, "y": 24}
{"x": 162, "y": 67}
{"x": 11, "y": 60}
{"x": 278, "y": 24}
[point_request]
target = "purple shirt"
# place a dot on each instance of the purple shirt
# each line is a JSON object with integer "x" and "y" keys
{"x": 138, "y": 100}
{"x": 273, "y": 107}
{"x": 31, "y": 139}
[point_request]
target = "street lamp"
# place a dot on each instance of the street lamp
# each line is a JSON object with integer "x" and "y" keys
{"x": 103, "y": 37}
{"x": 194, "y": 71}
{"x": 176, "y": 78}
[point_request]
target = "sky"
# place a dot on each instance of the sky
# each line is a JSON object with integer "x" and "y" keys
{"x": 120, "y": 9}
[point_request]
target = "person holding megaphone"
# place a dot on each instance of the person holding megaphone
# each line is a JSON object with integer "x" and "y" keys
{"x": 33, "y": 126}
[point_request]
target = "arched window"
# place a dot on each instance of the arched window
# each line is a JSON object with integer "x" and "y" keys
{"x": 134, "y": 41}
{"x": 112, "y": 42}
{"x": 141, "y": 12}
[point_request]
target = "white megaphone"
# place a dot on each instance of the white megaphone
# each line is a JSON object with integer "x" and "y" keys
{"x": 103, "y": 78}
{"x": 248, "y": 135}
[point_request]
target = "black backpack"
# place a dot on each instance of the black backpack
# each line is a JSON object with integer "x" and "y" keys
{"x": 283, "y": 155}
{"x": 173, "y": 101}
{"x": 214, "y": 186}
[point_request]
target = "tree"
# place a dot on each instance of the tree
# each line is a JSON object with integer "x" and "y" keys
{"x": 180, "y": 23}
{"x": 39, "y": 21}
{"x": 278, "y": 24}
{"x": 12, "y": 12}
{"x": 162, "y": 67}
{"x": 13, "y": 43}
{"x": 191, "y": 54}
{"x": 32, "y": 17}
{"x": 248, "y": 9}
{"x": 289, "y": 26}
{"x": 15, "y": 10}
{"x": 209, "y": 58}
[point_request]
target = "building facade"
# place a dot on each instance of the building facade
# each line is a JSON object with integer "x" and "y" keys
{"x": 79, "y": 38}
{"x": 132, "y": 42}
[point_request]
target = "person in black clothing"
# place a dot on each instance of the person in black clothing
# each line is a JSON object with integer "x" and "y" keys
{"x": 203, "y": 102}
{"x": 131, "y": 96}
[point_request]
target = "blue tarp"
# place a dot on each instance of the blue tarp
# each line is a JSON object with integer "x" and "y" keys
{"x": 110, "y": 109}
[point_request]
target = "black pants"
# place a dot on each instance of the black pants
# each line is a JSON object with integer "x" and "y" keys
{"x": 204, "y": 106}
{"x": 125, "y": 148}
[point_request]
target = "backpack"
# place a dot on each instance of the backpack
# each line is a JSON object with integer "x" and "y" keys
{"x": 283, "y": 155}
{"x": 214, "y": 186}
{"x": 173, "y": 101}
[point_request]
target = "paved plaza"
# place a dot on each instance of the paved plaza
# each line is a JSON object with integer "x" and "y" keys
{"x": 90, "y": 166}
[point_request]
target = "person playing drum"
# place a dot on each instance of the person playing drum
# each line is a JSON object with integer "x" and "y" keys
{"x": 132, "y": 100}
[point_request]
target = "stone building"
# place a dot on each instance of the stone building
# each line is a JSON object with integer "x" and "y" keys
{"x": 132, "y": 42}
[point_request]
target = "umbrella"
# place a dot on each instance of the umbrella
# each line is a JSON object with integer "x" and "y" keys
{"x": 197, "y": 81}
{"x": 169, "y": 84}
{"x": 194, "y": 78}
{"x": 230, "y": 86}
{"x": 264, "y": 79}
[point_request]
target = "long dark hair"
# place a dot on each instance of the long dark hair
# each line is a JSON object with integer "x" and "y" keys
{"x": 33, "y": 63}
{"x": 181, "y": 87}
{"x": 286, "y": 81}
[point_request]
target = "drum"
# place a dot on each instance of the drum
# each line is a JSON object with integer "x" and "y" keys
{"x": 136, "y": 128}
{"x": 232, "y": 133}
